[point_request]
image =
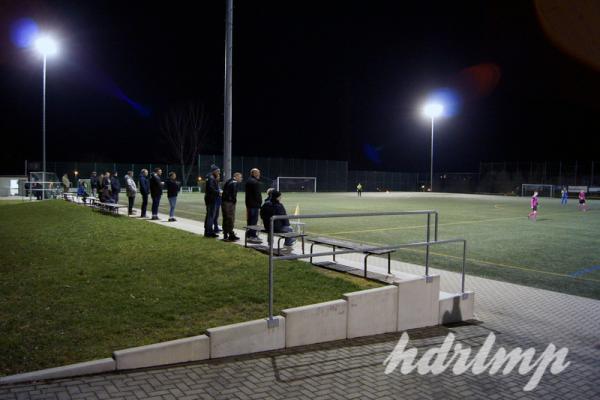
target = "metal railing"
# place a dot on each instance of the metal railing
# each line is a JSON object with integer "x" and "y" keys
{"x": 427, "y": 244}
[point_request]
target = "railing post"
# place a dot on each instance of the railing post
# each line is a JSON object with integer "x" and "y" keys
{"x": 462, "y": 287}
{"x": 427, "y": 249}
{"x": 435, "y": 233}
{"x": 271, "y": 323}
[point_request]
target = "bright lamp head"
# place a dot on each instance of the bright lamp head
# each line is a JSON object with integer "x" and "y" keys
{"x": 46, "y": 46}
{"x": 433, "y": 110}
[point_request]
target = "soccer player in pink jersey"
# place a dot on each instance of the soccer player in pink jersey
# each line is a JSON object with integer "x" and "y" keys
{"x": 582, "y": 206}
{"x": 534, "y": 206}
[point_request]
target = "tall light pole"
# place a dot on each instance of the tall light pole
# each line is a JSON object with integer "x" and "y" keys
{"x": 228, "y": 94}
{"x": 46, "y": 46}
{"x": 432, "y": 110}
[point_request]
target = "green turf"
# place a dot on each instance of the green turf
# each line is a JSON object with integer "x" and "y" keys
{"x": 502, "y": 243}
{"x": 76, "y": 285}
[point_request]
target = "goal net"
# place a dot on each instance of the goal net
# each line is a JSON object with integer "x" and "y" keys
{"x": 296, "y": 184}
{"x": 43, "y": 185}
{"x": 527, "y": 189}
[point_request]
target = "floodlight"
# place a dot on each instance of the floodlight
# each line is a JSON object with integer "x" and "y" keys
{"x": 46, "y": 46}
{"x": 433, "y": 110}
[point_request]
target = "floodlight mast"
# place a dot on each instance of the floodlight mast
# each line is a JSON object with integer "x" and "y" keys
{"x": 432, "y": 110}
{"x": 46, "y": 46}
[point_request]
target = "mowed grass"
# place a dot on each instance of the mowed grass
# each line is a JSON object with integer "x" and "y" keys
{"x": 76, "y": 285}
{"x": 502, "y": 243}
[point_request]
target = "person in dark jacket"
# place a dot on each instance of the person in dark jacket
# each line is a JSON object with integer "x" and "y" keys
{"x": 211, "y": 193}
{"x": 173, "y": 188}
{"x": 144, "y": 191}
{"x": 115, "y": 187}
{"x": 253, "y": 203}
{"x": 156, "y": 188}
{"x": 229, "y": 201}
{"x": 274, "y": 207}
{"x": 106, "y": 193}
{"x": 94, "y": 184}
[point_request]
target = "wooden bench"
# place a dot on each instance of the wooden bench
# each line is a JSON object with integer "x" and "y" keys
{"x": 346, "y": 244}
{"x": 112, "y": 208}
{"x": 280, "y": 235}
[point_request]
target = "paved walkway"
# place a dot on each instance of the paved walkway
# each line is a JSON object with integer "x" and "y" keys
{"x": 520, "y": 317}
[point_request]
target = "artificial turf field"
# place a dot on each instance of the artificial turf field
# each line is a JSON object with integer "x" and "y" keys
{"x": 557, "y": 252}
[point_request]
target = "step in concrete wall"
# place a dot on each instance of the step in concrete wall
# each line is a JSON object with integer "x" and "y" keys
{"x": 372, "y": 311}
{"x": 316, "y": 323}
{"x": 247, "y": 337}
{"x": 194, "y": 348}
{"x": 456, "y": 307}
{"x": 418, "y": 302}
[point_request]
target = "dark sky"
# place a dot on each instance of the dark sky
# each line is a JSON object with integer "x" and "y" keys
{"x": 332, "y": 80}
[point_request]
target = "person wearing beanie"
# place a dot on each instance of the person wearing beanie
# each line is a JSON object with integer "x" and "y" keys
{"x": 274, "y": 207}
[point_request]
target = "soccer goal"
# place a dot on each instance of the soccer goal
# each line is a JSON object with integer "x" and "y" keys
{"x": 296, "y": 184}
{"x": 527, "y": 189}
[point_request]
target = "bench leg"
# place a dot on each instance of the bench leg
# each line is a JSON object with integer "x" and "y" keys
{"x": 367, "y": 256}
{"x": 389, "y": 263}
{"x": 279, "y": 246}
{"x": 334, "y": 253}
{"x": 302, "y": 244}
{"x": 311, "y": 251}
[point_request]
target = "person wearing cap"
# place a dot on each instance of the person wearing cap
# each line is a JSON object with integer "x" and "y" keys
{"x": 274, "y": 207}
{"x": 230, "y": 191}
{"x": 212, "y": 192}
{"x": 253, "y": 203}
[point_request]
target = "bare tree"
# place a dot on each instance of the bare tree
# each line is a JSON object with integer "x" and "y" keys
{"x": 185, "y": 128}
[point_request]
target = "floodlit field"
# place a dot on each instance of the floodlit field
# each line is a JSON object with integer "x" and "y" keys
{"x": 558, "y": 252}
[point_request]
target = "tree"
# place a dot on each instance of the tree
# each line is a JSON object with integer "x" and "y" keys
{"x": 185, "y": 128}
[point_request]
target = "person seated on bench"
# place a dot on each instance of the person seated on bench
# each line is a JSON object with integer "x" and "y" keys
{"x": 274, "y": 207}
{"x": 81, "y": 192}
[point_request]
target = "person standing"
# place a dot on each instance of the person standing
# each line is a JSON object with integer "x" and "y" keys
{"x": 144, "y": 191}
{"x": 534, "y": 206}
{"x": 106, "y": 195}
{"x": 564, "y": 196}
{"x": 66, "y": 183}
{"x": 156, "y": 187}
{"x": 359, "y": 189}
{"x": 173, "y": 188}
{"x": 582, "y": 206}
{"x": 218, "y": 203}
{"x": 115, "y": 187}
{"x": 211, "y": 193}
{"x": 253, "y": 203}
{"x": 94, "y": 184}
{"x": 230, "y": 191}
{"x": 131, "y": 190}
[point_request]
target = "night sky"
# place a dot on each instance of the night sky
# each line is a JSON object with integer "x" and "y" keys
{"x": 338, "y": 80}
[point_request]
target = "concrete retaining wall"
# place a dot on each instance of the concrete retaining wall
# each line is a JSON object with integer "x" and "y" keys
{"x": 316, "y": 323}
{"x": 372, "y": 311}
{"x": 85, "y": 368}
{"x": 456, "y": 307}
{"x": 246, "y": 337}
{"x": 194, "y": 348}
{"x": 418, "y": 302}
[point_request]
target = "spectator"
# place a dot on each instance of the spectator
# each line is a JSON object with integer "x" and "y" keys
{"x": 229, "y": 201}
{"x": 253, "y": 203}
{"x": 216, "y": 228}
{"x": 173, "y": 188}
{"x": 269, "y": 191}
{"x": 106, "y": 195}
{"x": 115, "y": 187}
{"x": 131, "y": 190}
{"x": 94, "y": 184}
{"x": 81, "y": 190}
{"x": 274, "y": 207}
{"x": 144, "y": 191}
{"x": 156, "y": 187}
{"x": 66, "y": 183}
{"x": 211, "y": 194}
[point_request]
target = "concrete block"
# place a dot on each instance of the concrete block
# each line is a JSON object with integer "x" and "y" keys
{"x": 246, "y": 337}
{"x": 418, "y": 302}
{"x": 193, "y": 348}
{"x": 85, "y": 368}
{"x": 456, "y": 307}
{"x": 372, "y": 311}
{"x": 316, "y": 323}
